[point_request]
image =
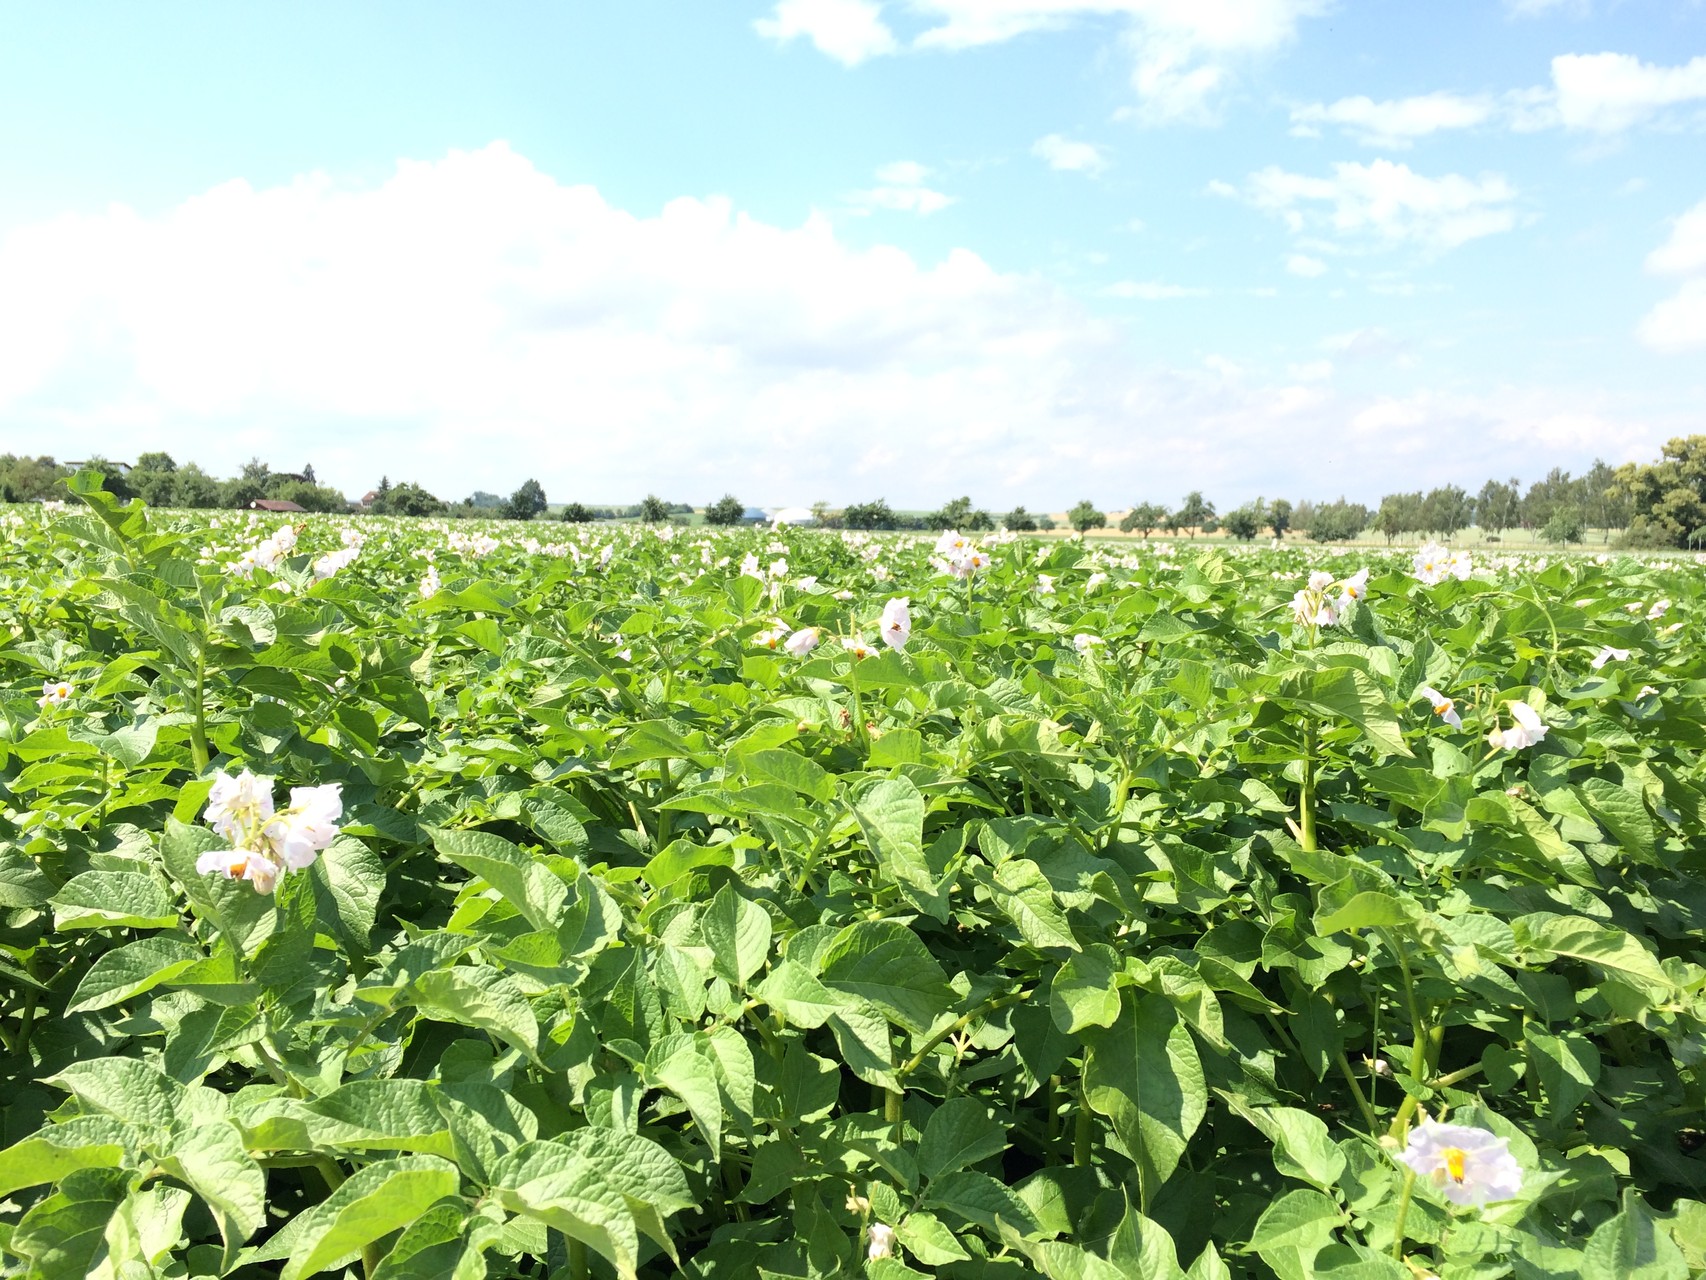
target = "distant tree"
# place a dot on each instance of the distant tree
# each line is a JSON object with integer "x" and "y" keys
{"x": 1446, "y": 510}
{"x": 308, "y": 473}
{"x": 1194, "y": 511}
{"x": 653, "y": 510}
{"x": 1279, "y": 517}
{"x": 1144, "y": 517}
{"x": 256, "y": 471}
{"x": 380, "y": 493}
{"x": 1337, "y": 521}
{"x": 960, "y": 514}
{"x": 1400, "y": 513}
{"x": 1084, "y": 517}
{"x": 480, "y": 500}
{"x": 154, "y": 461}
{"x": 526, "y": 502}
{"x": 240, "y": 491}
{"x": 1546, "y": 495}
{"x": 1018, "y": 520}
{"x": 407, "y": 499}
{"x": 1496, "y": 506}
{"x": 157, "y": 488}
{"x": 310, "y": 497}
{"x": 1564, "y": 526}
{"x": 727, "y": 509}
{"x": 577, "y": 513}
{"x": 194, "y": 488}
{"x": 1045, "y": 523}
{"x": 868, "y": 515}
{"x": 1245, "y": 522}
{"x": 31, "y": 479}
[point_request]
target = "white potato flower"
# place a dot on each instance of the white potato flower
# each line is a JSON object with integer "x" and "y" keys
{"x": 881, "y": 1241}
{"x": 897, "y": 622}
{"x": 1466, "y": 1164}
{"x": 1608, "y": 654}
{"x": 1443, "y": 706}
{"x": 1527, "y": 730}
{"x": 802, "y": 642}
{"x": 55, "y": 693}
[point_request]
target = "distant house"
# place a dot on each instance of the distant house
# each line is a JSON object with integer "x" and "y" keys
{"x": 274, "y": 504}
{"x": 368, "y": 498}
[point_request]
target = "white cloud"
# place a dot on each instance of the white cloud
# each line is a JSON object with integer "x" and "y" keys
{"x": 1685, "y": 252}
{"x": 1152, "y": 291}
{"x": 1396, "y": 122}
{"x": 1679, "y": 323}
{"x": 1611, "y": 92}
{"x": 850, "y": 31}
{"x": 1311, "y": 371}
{"x": 1301, "y": 264}
{"x": 1386, "y": 204}
{"x": 471, "y": 321}
{"x": 1073, "y": 157}
{"x": 901, "y": 187}
{"x": 1184, "y": 52}
{"x": 1539, "y": 8}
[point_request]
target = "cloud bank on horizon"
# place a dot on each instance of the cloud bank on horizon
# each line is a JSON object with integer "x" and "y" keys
{"x": 1224, "y": 264}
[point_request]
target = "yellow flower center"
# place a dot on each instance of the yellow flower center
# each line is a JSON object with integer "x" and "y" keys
{"x": 1455, "y": 1158}
{"x": 1440, "y": 708}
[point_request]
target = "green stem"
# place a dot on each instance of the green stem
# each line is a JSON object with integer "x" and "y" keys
{"x": 1403, "y": 1213}
{"x": 1081, "y": 1131}
{"x": 1306, "y": 805}
{"x": 1363, "y": 1103}
{"x": 953, "y": 1028}
{"x": 580, "y": 1267}
{"x": 198, "y": 731}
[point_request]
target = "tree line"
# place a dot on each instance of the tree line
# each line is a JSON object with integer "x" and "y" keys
{"x": 1658, "y": 504}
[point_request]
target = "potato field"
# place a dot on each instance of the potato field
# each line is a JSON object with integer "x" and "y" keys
{"x": 404, "y": 899}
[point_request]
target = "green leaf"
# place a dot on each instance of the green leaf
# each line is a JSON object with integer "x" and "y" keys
{"x": 103, "y": 899}
{"x": 1624, "y": 814}
{"x": 979, "y": 1198}
{"x": 886, "y": 963}
{"x": 890, "y": 813}
{"x": 1630, "y": 1246}
{"x": 801, "y": 999}
{"x": 1348, "y": 694}
{"x": 1144, "y": 1075}
{"x": 1026, "y": 898}
{"x": 1613, "y": 950}
{"x": 483, "y": 997}
{"x": 1567, "y": 1067}
{"x": 212, "y": 1161}
{"x": 371, "y": 1204}
{"x": 960, "y": 1132}
{"x": 791, "y": 770}
{"x": 527, "y": 884}
{"x": 63, "y": 1236}
{"x": 692, "y": 1077}
{"x": 244, "y": 917}
{"x": 1084, "y": 992}
{"x": 84, "y": 1142}
{"x": 130, "y": 970}
{"x": 560, "y": 1187}
{"x": 738, "y": 933}
{"x": 1301, "y": 1220}
{"x": 1303, "y": 1149}
{"x": 927, "y": 1238}
{"x": 125, "y": 1088}
{"x": 1369, "y": 909}
{"x": 436, "y": 1246}
{"x": 349, "y": 879}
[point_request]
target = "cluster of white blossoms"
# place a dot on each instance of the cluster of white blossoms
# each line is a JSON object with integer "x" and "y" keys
{"x": 1527, "y": 730}
{"x": 778, "y": 636}
{"x": 958, "y": 555}
{"x": 431, "y": 584}
{"x": 471, "y": 544}
{"x": 54, "y": 693}
{"x": 1086, "y": 644}
{"x": 896, "y": 622}
{"x": 332, "y": 561}
{"x": 266, "y": 844}
{"x": 1465, "y": 1164}
{"x": 1317, "y": 605}
{"x": 267, "y": 554}
{"x": 1608, "y": 654}
{"x": 1434, "y": 564}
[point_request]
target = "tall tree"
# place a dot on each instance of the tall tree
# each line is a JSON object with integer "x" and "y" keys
{"x": 526, "y": 502}
{"x": 726, "y": 510}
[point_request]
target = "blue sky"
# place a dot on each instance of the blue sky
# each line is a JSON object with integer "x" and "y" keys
{"x": 1031, "y": 250}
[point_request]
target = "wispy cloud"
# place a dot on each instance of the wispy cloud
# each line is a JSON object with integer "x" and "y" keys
{"x": 850, "y": 31}
{"x": 1679, "y": 322}
{"x": 902, "y": 187}
{"x": 1062, "y": 153}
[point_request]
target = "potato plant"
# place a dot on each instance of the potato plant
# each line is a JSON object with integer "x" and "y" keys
{"x": 1140, "y": 913}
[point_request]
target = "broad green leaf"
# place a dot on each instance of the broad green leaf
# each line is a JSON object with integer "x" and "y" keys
{"x": 927, "y": 1238}
{"x": 106, "y": 899}
{"x": 211, "y": 1160}
{"x": 1027, "y": 899}
{"x": 371, "y": 1204}
{"x": 1301, "y": 1220}
{"x": 960, "y": 1132}
{"x": 480, "y": 996}
{"x": 132, "y": 969}
{"x": 51, "y": 1153}
{"x": 1566, "y": 1066}
{"x": 351, "y": 878}
{"x": 1623, "y": 813}
{"x": 1609, "y": 948}
{"x": 1084, "y": 992}
{"x": 886, "y": 963}
{"x": 1368, "y": 910}
{"x": 792, "y": 770}
{"x": 738, "y": 933}
{"x": 1631, "y": 1246}
{"x": 692, "y": 1077}
{"x": 801, "y": 999}
{"x": 564, "y": 1189}
{"x": 64, "y": 1235}
{"x": 125, "y": 1088}
{"x": 1349, "y": 694}
{"x": 1144, "y": 1075}
{"x": 244, "y": 917}
{"x": 1303, "y": 1149}
{"x": 890, "y": 813}
{"x": 526, "y": 882}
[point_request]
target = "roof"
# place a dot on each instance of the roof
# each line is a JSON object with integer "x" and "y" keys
{"x": 274, "y": 504}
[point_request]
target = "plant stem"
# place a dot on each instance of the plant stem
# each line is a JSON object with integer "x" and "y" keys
{"x": 198, "y": 731}
{"x": 1363, "y": 1104}
{"x": 1403, "y": 1213}
{"x": 1081, "y": 1134}
{"x": 1306, "y": 805}
{"x": 958, "y": 1025}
